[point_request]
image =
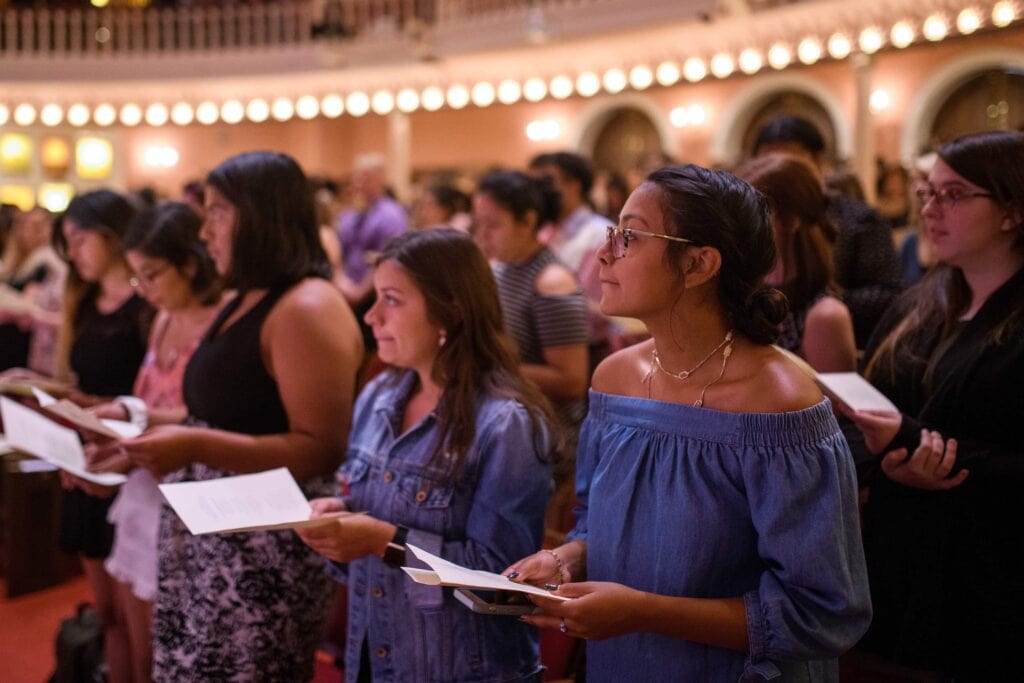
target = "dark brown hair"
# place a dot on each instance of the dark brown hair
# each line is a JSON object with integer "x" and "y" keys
{"x": 476, "y": 359}
{"x": 277, "y": 241}
{"x": 994, "y": 161}
{"x": 717, "y": 209}
{"x": 795, "y": 194}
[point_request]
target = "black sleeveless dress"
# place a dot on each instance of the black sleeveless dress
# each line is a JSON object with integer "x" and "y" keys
{"x": 106, "y": 353}
{"x": 236, "y": 607}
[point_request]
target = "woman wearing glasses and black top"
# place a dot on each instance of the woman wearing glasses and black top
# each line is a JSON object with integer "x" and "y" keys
{"x": 943, "y": 522}
{"x": 716, "y": 534}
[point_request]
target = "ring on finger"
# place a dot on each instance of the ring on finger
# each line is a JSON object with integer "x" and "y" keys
{"x": 562, "y": 627}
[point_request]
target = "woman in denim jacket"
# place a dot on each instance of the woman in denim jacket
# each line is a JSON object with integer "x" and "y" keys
{"x": 448, "y": 451}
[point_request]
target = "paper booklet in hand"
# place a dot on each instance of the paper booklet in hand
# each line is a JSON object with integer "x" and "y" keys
{"x": 846, "y": 388}
{"x": 265, "y": 501}
{"x": 447, "y": 573}
{"x": 35, "y": 434}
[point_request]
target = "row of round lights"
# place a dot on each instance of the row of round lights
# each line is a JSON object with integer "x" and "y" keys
{"x": 509, "y": 91}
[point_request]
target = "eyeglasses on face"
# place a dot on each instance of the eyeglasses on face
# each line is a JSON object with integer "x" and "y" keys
{"x": 619, "y": 239}
{"x": 946, "y": 196}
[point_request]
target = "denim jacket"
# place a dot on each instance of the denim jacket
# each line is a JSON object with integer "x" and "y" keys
{"x": 491, "y": 517}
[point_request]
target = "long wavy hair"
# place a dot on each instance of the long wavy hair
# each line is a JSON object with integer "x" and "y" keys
{"x": 993, "y": 161}
{"x": 476, "y": 359}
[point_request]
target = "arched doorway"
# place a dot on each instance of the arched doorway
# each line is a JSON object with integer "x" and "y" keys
{"x": 992, "y": 99}
{"x": 797, "y": 104}
{"x": 627, "y": 140}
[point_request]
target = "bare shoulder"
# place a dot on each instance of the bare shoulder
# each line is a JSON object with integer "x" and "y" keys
{"x": 829, "y": 310}
{"x": 313, "y": 303}
{"x": 623, "y": 372}
{"x": 556, "y": 279}
{"x": 772, "y": 383}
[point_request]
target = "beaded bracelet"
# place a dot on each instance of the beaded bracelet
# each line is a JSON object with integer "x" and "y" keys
{"x": 559, "y": 567}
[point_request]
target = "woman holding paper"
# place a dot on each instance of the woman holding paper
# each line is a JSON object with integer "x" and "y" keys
{"x": 177, "y": 276}
{"x": 942, "y": 545}
{"x": 449, "y": 452}
{"x": 270, "y": 385}
{"x": 717, "y": 534}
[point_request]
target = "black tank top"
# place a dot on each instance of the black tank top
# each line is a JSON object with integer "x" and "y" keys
{"x": 226, "y": 384}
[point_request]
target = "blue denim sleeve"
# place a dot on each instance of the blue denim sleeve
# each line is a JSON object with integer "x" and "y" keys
{"x": 506, "y": 516}
{"x": 587, "y": 458}
{"x": 812, "y": 601}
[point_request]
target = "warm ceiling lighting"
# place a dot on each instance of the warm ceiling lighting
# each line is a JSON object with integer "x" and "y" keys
{"x": 51, "y": 115}
{"x": 232, "y": 112}
{"x": 968, "y": 21}
{"x": 543, "y": 129}
{"x": 94, "y": 158}
{"x": 560, "y": 87}
{"x": 407, "y": 100}
{"x": 131, "y": 114}
{"x": 207, "y": 113}
{"x": 588, "y": 84}
{"x": 870, "y": 40}
{"x": 257, "y": 110}
{"x": 482, "y": 94}
{"x": 24, "y": 114}
{"x": 457, "y": 96}
{"x": 534, "y": 89}
{"x": 694, "y": 69}
{"x": 5, "y": 114}
{"x": 839, "y": 46}
{"x": 307, "y": 107}
{"x": 879, "y": 101}
{"x": 1004, "y": 13}
{"x": 667, "y": 73}
{"x": 182, "y": 113}
{"x": 779, "y": 56}
{"x": 935, "y": 28}
{"x": 614, "y": 81}
{"x": 750, "y": 61}
{"x": 722, "y": 65}
{"x": 383, "y": 102}
{"x": 78, "y": 115}
{"x": 809, "y": 50}
{"x": 902, "y": 34}
{"x": 432, "y": 98}
{"x": 55, "y": 154}
{"x": 104, "y": 114}
{"x": 157, "y": 114}
{"x": 509, "y": 91}
{"x": 357, "y": 103}
{"x": 332, "y": 106}
{"x": 640, "y": 77}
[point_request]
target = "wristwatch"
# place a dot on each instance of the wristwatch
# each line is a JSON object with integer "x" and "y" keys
{"x": 394, "y": 554}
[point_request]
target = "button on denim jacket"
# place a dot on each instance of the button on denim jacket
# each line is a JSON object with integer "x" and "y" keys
{"x": 492, "y": 516}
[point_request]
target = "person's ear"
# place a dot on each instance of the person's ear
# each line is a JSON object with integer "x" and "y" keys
{"x": 700, "y": 265}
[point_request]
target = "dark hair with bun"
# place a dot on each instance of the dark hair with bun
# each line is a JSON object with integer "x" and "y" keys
{"x": 519, "y": 194}
{"x": 716, "y": 209}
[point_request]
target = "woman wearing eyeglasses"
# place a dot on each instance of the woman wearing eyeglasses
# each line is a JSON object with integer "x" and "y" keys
{"x": 716, "y": 535}
{"x": 944, "y": 519}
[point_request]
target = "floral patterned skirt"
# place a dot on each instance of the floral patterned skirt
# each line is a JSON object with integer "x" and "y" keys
{"x": 236, "y": 607}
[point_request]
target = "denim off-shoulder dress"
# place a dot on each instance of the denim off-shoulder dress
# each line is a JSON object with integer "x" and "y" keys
{"x": 691, "y": 502}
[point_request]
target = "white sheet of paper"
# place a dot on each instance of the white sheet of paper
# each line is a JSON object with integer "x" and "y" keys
{"x": 45, "y": 400}
{"x": 264, "y": 501}
{"x": 33, "y": 465}
{"x": 853, "y": 391}
{"x": 447, "y": 573}
{"x": 80, "y": 417}
{"x": 13, "y": 300}
{"x": 28, "y": 431}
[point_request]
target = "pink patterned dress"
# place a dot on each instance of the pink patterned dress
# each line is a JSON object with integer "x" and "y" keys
{"x": 136, "y": 510}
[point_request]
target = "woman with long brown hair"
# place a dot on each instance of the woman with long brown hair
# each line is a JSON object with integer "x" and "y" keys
{"x": 943, "y": 521}
{"x": 449, "y": 451}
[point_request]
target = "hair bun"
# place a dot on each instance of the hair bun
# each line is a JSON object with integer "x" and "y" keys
{"x": 765, "y": 309}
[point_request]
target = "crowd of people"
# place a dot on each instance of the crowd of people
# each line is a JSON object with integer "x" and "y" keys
{"x": 460, "y": 371}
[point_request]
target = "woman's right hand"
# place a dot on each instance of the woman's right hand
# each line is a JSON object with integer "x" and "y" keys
{"x": 540, "y": 569}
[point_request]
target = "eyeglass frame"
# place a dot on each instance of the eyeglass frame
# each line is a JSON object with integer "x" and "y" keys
{"x": 943, "y": 196}
{"x": 628, "y": 233}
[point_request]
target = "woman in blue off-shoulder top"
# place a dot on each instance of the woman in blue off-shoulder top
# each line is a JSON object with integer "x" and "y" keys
{"x": 717, "y": 535}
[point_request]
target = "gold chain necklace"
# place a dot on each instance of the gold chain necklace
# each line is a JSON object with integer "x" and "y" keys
{"x": 727, "y": 343}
